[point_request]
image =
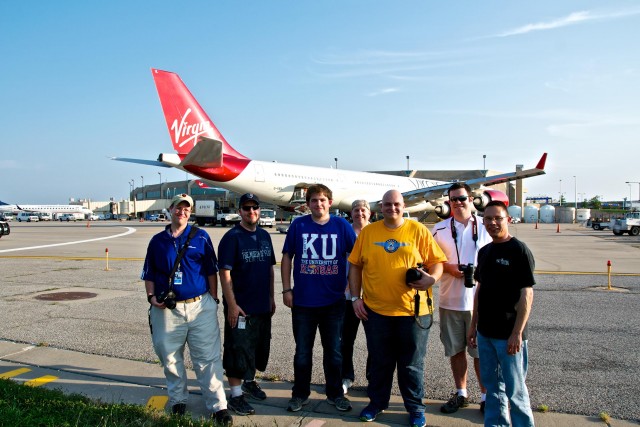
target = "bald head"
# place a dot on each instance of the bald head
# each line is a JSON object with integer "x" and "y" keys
{"x": 392, "y": 208}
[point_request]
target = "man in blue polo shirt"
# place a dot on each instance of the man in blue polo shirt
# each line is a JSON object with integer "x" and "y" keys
{"x": 316, "y": 247}
{"x": 246, "y": 261}
{"x": 193, "y": 320}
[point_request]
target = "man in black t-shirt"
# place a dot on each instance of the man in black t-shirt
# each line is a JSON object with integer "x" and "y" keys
{"x": 502, "y": 305}
{"x": 246, "y": 272}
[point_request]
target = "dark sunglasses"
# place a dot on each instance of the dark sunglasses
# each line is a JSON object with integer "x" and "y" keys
{"x": 459, "y": 198}
{"x": 250, "y": 208}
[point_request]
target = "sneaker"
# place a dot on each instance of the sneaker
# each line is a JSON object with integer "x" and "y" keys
{"x": 253, "y": 390}
{"x": 482, "y": 407}
{"x": 341, "y": 403}
{"x": 240, "y": 406}
{"x": 296, "y": 403}
{"x": 346, "y": 385}
{"x": 455, "y": 402}
{"x": 179, "y": 409}
{"x": 417, "y": 419}
{"x": 369, "y": 413}
{"x": 222, "y": 418}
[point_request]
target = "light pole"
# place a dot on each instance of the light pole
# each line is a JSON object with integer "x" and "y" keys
{"x": 130, "y": 189}
{"x": 408, "y": 164}
{"x": 634, "y": 182}
{"x": 629, "y": 183}
{"x": 160, "y": 174}
{"x": 484, "y": 164}
{"x": 560, "y": 200}
{"x": 336, "y": 160}
{"x": 133, "y": 187}
{"x": 575, "y": 190}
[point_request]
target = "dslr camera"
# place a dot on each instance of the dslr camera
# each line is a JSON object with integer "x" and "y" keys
{"x": 467, "y": 271}
{"x": 168, "y": 298}
{"x": 413, "y": 275}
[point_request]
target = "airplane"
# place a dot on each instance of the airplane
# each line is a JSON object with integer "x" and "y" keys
{"x": 200, "y": 149}
{"x": 53, "y": 209}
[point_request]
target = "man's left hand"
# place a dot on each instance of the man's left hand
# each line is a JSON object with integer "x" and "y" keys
{"x": 514, "y": 344}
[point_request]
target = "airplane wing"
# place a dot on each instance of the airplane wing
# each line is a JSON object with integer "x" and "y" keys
{"x": 438, "y": 192}
{"x": 141, "y": 161}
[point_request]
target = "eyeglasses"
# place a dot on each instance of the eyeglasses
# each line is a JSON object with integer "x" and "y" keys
{"x": 187, "y": 210}
{"x": 250, "y": 208}
{"x": 490, "y": 219}
{"x": 460, "y": 199}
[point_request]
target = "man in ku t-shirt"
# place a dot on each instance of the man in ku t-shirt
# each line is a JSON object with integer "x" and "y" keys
{"x": 316, "y": 248}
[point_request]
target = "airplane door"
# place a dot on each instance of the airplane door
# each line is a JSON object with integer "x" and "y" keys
{"x": 259, "y": 173}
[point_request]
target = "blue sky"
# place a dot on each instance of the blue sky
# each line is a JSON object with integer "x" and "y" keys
{"x": 368, "y": 82}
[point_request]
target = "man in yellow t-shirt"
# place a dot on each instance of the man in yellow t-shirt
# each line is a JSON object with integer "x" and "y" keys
{"x": 395, "y": 315}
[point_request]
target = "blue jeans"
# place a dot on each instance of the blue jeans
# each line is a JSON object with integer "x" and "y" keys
{"x": 396, "y": 342}
{"x": 306, "y": 320}
{"x": 500, "y": 371}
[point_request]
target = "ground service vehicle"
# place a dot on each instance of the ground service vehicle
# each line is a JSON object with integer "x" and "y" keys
{"x": 5, "y": 228}
{"x": 205, "y": 212}
{"x": 76, "y": 216}
{"x": 630, "y": 224}
{"x": 7, "y": 216}
{"x": 28, "y": 216}
{"x": 228, "y": 218}
{"x": 267, "y": 218}
{"x": 597, "y": 224}
{"x": 44, "y": 216}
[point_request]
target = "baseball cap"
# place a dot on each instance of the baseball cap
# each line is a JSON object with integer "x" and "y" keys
{"x": 182, "y": 198}
{"x": 249, "y": 197}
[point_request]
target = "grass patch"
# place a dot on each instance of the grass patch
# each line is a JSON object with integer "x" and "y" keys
{"x": 22, "y": 406}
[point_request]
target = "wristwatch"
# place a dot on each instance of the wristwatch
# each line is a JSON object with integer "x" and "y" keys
{"x": 149, "y": 296}
{"x": 354, "y": 299}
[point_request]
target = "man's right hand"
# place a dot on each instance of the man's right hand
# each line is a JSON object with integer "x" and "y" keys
{"x": 233, "y": 313}
{"x": 453, "y": 270}
{"x": 359, "y": 310}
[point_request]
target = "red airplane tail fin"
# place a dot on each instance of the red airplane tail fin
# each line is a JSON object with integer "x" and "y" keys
{"x": 186, "y": 121}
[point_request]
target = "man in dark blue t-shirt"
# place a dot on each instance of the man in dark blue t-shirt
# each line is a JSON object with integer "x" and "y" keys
{"x": 246, "y": 260}
{"x": 316, "y": 247}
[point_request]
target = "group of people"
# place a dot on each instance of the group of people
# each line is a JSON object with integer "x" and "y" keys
{"x": 334, "y": 276}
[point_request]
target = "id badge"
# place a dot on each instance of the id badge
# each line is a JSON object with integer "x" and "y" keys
{"x": 242, "y": 323}
{"x": 177, "y": 278}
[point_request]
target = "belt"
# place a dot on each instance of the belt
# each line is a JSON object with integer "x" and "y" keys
{"x": 189, "y": 300}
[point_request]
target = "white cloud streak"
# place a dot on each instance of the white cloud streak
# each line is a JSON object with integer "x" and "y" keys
{"x": 571, "y": 19}
{"x": 385, "y": 91}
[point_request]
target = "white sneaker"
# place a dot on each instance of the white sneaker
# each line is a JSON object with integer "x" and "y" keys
{"x": 346, "y": 385}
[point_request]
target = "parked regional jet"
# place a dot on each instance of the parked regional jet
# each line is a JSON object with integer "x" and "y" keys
{"x": 53, "y": 209}
{"x": 202, "y": 151}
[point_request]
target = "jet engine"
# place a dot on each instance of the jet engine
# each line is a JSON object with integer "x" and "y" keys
{"x": 482, "y": 200}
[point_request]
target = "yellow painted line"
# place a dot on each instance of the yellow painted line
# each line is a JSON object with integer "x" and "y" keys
{"x": 72, "y": 258}
{"x": 585, "y": 273}
{"x": 157, "y": 402}
{"x": 14, "y": 373}
{"x": 37, "y": 382}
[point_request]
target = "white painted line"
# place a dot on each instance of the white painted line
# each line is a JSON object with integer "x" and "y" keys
{"x": 130, "y": 230}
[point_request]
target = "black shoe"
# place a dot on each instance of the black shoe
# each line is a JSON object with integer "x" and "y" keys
{"x": 253, "y": 390}
{"x": 179, "y": 409}
{"x": 222, "y": 418}
{"x": 240, "y": 406}
{"x": 455, "y": 402}
{"x": 482, "y": 407}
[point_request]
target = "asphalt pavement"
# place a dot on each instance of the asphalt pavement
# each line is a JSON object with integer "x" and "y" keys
{"x": 583, "y": 351}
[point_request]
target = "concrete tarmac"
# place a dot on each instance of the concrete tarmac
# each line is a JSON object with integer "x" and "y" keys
{"x": 583, "y": 350}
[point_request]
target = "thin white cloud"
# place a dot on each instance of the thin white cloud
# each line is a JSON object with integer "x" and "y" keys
{"x": 8, "y": 164}
{"x": 571, "y": 19}
{"x": 385, "y": 91}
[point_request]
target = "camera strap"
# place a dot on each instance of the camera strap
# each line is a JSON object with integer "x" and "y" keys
{"x": 454, "y": 234}
{"x": 416, "y": 309}
{"x": 176, "y": 264}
